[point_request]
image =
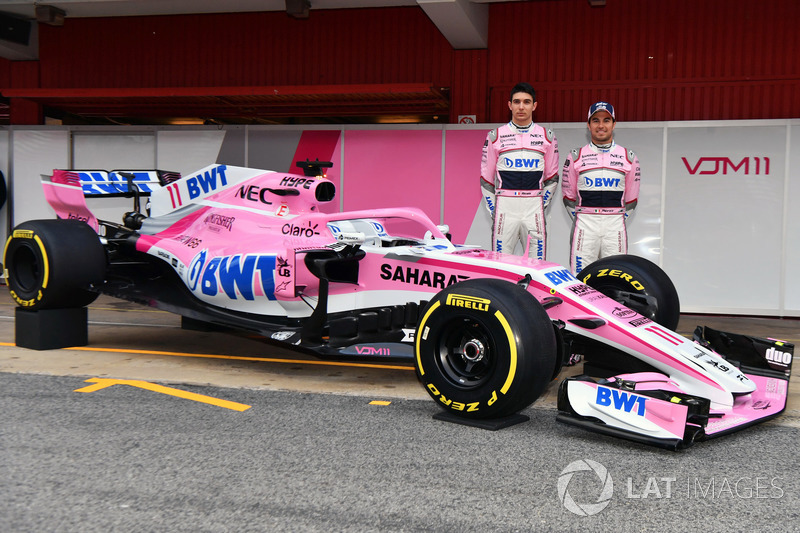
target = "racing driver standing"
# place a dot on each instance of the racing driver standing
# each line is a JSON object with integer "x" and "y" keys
{"x": 519, "y": 173}
{"x": 600, "y": 189}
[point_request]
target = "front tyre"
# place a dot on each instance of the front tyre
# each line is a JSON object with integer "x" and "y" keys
{"x": 638, "y": 284}
{"x": 52, "y": 264}
{"x": 485, "y": 348}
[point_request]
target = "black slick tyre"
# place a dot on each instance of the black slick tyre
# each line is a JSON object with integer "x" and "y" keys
{"x": 52, "y": 264}
{"x": 638, "y": 284}
{"x": 485, "y": 348}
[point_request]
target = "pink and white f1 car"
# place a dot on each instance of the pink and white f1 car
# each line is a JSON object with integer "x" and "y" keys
{"x": 252, "y": 250}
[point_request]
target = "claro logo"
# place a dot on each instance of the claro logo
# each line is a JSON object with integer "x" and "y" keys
{"x": 723, "y": 165}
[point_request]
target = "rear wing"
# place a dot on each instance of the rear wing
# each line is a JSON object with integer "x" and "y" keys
{"x": 66, "y": 190}
{"x": 114, "y": 183}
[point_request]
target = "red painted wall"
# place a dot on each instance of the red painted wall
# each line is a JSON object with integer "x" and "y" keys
{"x": 389, "y": 45}
{"x": 678, "y": 60}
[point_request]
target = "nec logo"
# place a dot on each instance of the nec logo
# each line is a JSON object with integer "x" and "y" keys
{"x": 717, "y": 165}
{"x": 521, "y": 163}
{"x": 621, "y": 400}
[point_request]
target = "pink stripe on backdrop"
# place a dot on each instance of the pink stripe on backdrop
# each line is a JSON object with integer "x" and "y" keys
{"x": 462, "y": 174}
{"x": 395, "y": 168}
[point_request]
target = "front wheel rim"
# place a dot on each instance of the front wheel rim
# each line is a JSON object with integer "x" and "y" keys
{"x": 26, "y": 269}
{"x": 465, "y": 353}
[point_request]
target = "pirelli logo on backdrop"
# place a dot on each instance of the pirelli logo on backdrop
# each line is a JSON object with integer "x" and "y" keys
{"x": 468, "y": 302}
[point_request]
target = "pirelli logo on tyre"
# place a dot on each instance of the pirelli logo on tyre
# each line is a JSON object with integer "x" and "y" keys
{"x": 22, "y": 234}
{"x": 468, "y": 302}
{"x": 617, "y": 274}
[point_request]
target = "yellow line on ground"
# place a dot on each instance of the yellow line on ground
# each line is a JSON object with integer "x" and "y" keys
{"x": 102, "y": 383}
{"x": 233, "y": 357}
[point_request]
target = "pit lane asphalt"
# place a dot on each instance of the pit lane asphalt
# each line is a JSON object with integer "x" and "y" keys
{"x": 313, "y": 452}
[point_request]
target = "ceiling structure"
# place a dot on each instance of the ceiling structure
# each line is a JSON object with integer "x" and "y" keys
{"x": 464, "y": 23}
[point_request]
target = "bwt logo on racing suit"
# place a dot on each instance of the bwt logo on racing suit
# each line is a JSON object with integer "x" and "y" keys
{"x": 713, "y": 165}
{"x": 602, "y": 182}
{"x": 234, "y": 274}
{"x": 521, "y": 163}
{"x": 621, "y": 400}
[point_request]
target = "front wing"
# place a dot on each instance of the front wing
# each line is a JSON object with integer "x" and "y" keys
{"x": 649, "y": 407}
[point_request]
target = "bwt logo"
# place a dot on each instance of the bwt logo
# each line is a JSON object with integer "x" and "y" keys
{"x": 717, "y": 165}
{"x": 521, "y": 163}
{"x": 602, "y": 182}
{"x": 206, "y": 182}
{"x": 235, "y": 275}
{"x": 621, "y": 400}
{"x": 558, "y": 277}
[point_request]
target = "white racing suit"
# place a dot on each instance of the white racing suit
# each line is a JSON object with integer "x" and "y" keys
{"x": 600, "y": 188}
{"x": 519, "y": 172}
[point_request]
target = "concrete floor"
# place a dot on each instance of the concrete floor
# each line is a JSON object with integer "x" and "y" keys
{"x": 128, "y": 341}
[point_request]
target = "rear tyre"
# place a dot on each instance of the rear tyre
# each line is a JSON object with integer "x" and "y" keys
{"x": 485, "y": 348}
{"x": 51, "y": 264}
{"x": 638, "y": 284}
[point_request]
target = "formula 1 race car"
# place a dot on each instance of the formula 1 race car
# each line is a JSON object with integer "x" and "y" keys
{"x": 252, "y": 250}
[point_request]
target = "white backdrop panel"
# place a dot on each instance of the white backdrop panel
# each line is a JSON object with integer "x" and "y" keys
{"x": 724, "y": 216}
{"x": 35, "y": 152}
{"x": 187, "y": 151}
{"x": 104, "y": 151}
{"x": 791, "y": 250}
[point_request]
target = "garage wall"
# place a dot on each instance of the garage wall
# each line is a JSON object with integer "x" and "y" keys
{"x": 678, "y": 60}
{"x": 714, "y": 208}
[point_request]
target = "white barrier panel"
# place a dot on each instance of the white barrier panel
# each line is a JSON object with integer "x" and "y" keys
{"x": 790, "y": 249}
{"x": 723, "y": 224}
